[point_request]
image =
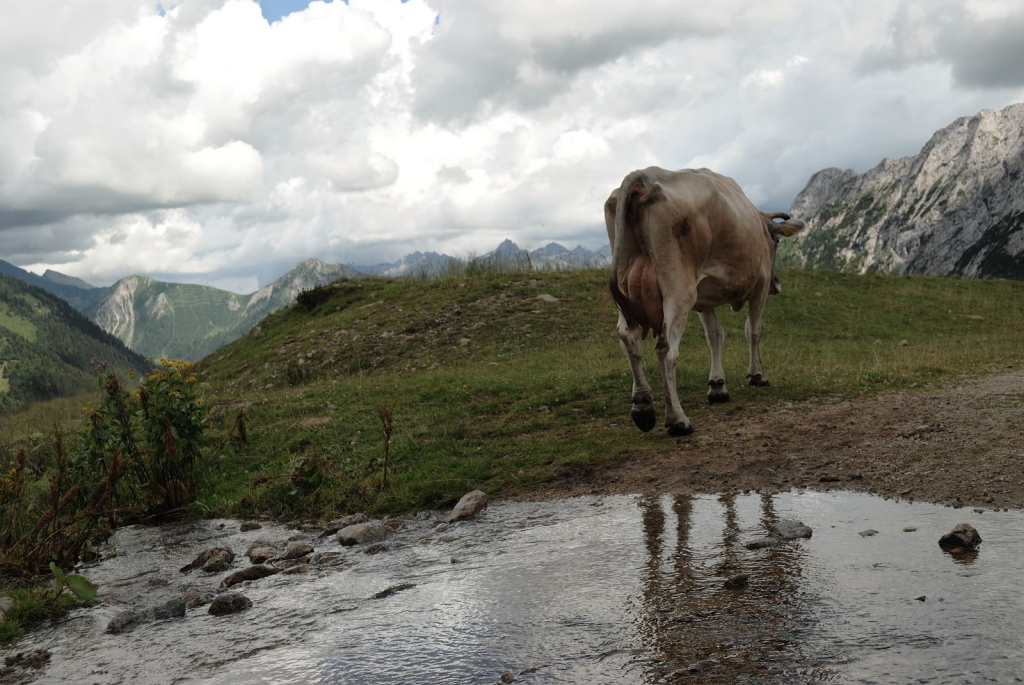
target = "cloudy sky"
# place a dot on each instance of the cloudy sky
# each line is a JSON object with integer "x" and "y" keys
{"x": 221, "y": 141}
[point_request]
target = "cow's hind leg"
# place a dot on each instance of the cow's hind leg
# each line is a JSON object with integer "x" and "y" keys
{"x": 676, "y": 312}
{"x": 755, "y": 373}
{"x": 715, "y": 335}
{"x": 643, "y": 413}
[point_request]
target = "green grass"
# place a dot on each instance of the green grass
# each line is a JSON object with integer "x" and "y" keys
{"x": 494, "y": 388}
{"x": 17, "y": 324}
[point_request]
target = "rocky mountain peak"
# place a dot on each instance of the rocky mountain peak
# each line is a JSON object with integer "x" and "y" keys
{"x": 955, "y": 208}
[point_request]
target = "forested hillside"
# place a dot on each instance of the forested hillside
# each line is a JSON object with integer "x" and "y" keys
{"x": 47, "y": 347}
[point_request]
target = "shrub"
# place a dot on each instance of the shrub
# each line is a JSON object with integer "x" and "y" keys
{"x": 138, "y": 457}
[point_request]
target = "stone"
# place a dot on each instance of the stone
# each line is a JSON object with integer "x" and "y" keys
{"x": 35, "y": 658}
{"x": 547, "y": 297}
{"x": 130, "y": 619}
{"x": 963, "y": 536}
{"x": 737, "y": 582}
{"x": 254, "y": 572}
{"x": 213, "y": 560}
{"x": 193, "y": 597}
{"x": 870, "y": 532}
{"x": 790, "y": 529}
{"x": 229, "y": 603}
{"x": 343, "y": 522}
{"x": 763, "y": 543}
{"x": 471, "y": 504}
{"x": 296, "y": 550}
{"x": 361, "y": 533}
{"x": 260, "y": 552}
{"x": 249, "y": 525}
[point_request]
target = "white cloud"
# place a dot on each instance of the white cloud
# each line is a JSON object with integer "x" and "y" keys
{"x": 208, "y": 144}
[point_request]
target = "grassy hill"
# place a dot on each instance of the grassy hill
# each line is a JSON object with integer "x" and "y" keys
{"x": 46, "y": 347}
{"x": 490, "y": 385}
{"x": 507, "y": 381}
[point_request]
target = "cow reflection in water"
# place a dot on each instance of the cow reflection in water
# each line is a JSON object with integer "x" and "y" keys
{"x": 704, "y": 631}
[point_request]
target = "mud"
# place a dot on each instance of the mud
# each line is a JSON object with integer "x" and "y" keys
{"x": 958, "y": 446}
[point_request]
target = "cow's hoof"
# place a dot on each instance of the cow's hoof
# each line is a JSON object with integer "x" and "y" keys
{"x": 680, "y": 429}
{"x": 758, "y": 381}
{"x": 717, "y": 392}
{"x": 717, "y": 397}
{"x": 644, "y": 416}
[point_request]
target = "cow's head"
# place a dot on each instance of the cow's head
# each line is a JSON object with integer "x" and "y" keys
{"x": 781, "y": 226}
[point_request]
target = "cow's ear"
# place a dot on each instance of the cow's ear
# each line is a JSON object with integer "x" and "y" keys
{"x": 787, "y": 228}
{"x": 655, "y": 193}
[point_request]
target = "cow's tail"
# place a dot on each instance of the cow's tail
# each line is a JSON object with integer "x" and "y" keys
{"x": 638, "y": 191}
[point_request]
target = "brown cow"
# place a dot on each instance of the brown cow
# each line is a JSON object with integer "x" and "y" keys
{"x": 681, "y": 241}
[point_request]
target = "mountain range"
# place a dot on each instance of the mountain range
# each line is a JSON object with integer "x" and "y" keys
{"x": 954, "y": 209}
{"x": 188, "y": 321}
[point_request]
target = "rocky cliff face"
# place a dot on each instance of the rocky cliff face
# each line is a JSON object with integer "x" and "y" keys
{"x": 954, "y": 209}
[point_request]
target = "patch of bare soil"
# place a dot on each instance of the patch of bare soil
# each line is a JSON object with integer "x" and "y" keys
{"x": 959, "y": 446}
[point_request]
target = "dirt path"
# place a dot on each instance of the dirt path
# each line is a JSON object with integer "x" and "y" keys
{"x": 954, "y": 446}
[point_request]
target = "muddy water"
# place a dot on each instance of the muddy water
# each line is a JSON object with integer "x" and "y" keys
{"x": 612, "y": 590}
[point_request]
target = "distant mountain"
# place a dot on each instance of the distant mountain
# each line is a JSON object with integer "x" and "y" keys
{"x": 551, "y": 257}
{"x": 187, "y": 321}
{"x": 415, "y": 264}
{"x": 73, "y": 290}
{"x": 46, "y": 347}
{"x": 954, "y": 209}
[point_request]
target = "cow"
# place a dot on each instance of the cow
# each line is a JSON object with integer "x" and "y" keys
{"x": 681, "y": 241}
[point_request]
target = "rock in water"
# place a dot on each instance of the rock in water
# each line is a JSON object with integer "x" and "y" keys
{"x": 254, "y": 572}
{"x": 343, "y": 522}
{"x": 791, "y": 529}
{"x": 471, "y": 504}
{"x": 297, "y": 549}
{"x": 260, "y": 552}
{"x": 213, "y": 560}
{"x": 128, "y": 620}
{"x": 371, "y": 531}
{"x": 737, "y": 582}
{"x": 963, "y": 536}
{"x": 229, "y": 603}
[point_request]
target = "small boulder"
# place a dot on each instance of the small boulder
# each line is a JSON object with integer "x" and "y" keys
{"x": 260, "y": 552}
{"x": 37, "y": 658}
{"x": 229, "y": 603}
{"x": 213, "y": 560}
{"x": 963, "y": 536}
{"x": 343, "y": 522}
{"x": 737, "y": 582}
{"x": 129, "y": 619}
{"x": 471, "y": 504}
{"x": 870, "y": 532}
{"x": 193, "y": 597}
{"x": 254, "y": 572}
{"x": 249, "y": 525}
{"x": 371, "y": 531}
{"x": 763, "y": 543}
{"x": 296, "y": 550}
{"x": 791, "y": 529}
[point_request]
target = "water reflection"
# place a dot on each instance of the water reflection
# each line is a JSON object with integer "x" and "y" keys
{"x": 612, "y": 590}
{"x": 715, "y": 611}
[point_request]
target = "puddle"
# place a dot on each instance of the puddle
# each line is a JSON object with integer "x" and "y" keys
{"x": 597, "y": 590}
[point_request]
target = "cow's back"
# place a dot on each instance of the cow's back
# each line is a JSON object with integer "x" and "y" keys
{"x": 693, "y": 227}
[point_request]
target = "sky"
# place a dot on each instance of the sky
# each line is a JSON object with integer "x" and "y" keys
{"x": 221, "y": 142}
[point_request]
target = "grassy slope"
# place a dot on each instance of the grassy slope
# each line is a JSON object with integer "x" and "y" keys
{"x": 495, "y": 388}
